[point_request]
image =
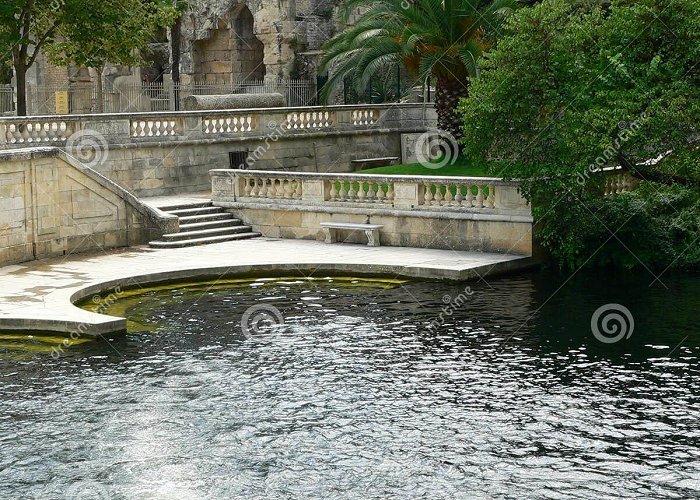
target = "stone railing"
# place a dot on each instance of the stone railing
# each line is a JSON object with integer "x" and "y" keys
{"x": 456, "y": 194}
{"x": 617, "y": 182}
{"x": 205, "y": 125}
{"x": 51, "y": 204}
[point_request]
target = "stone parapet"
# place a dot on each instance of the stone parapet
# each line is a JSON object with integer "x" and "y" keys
{"x": 465, "y": 213}
{"x": 51, "y": 204}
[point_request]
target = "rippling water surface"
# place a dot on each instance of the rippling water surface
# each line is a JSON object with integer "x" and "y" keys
{"x": 356, "y": 396}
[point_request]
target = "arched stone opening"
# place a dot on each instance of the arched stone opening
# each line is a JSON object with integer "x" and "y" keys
{"x": 212, "y": 57}
{"x": 248, "y": 50}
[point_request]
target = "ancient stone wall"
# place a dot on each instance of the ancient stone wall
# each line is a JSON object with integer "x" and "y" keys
{"x": 52, "y": 205}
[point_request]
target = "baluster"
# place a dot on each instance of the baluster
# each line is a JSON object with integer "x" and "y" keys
{"x": 449, "y": 197}
{"x": 352, "y": 193}
{"x": 390, "y": 192}
{"x": 428, "y": 193}
{"x": 264, "y": 189}
{"x": 255, "y": 188}
{"x": 247, "y": 186}
{"x": 480, "y": 196}
{"x": 469, "y": 201}
{"x": 361, "y": 191}
{"x": 458, "y": 196}
{"x": 491, "y": 200}
{"x": 371, "y": 194}
{"x": 288, "y": 189}
{"x": 334, "y": 191}
{"x": 381, "y": 197}
{"x": 343, "y": 191}
{"x": 437, "y": 199}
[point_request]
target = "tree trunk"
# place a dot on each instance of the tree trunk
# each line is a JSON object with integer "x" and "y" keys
{"x": 175, "y": 35}
{"x": 447, "y": 96}
{"x": 21, "y": 81}
{"x": 100, "y": 104}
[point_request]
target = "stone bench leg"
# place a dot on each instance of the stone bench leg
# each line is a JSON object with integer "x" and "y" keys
{"x": 330, "y": 233}
{"x": 372, "y": 237}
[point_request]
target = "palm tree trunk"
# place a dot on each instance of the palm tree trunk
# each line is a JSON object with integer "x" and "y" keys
{"x": 447, "y": 96}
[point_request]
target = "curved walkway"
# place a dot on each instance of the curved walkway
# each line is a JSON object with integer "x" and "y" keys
{"x": 39, "y": 295}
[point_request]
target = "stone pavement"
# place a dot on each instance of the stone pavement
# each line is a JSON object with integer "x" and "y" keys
{"x": 39, "y": 295}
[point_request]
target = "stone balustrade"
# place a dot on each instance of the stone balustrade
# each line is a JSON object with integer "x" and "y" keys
{"x": 467, "y": 194}
{"x": 465, "y": 213}
{"x": 617, "y": 182}
{"x": 155, "y": 154}
{"x": 124, "y": 128}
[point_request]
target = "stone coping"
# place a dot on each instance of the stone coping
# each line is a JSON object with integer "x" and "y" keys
{"x": 40, "y": 295}
{"x": 484, "y": 214}
{"x": 422, "y": 179}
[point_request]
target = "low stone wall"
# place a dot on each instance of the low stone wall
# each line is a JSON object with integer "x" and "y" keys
{"x": 457, "y": 213}
{"x": 51, "y": 205}
{"x": 154, "y": 154}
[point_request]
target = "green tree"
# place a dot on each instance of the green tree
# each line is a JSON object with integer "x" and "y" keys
{"x": 81, "y": 31}
{"x": 25, "y": 27}
{"x": 112, "y": 32}
{"x": 443, "y": 39}
{"x": 576, "y": 87}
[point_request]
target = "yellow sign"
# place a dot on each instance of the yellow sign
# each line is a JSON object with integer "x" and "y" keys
{"x": 62, "y": 102}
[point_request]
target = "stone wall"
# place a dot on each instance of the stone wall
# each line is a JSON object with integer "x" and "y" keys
{"x": 451, "y": 213}
{"x": 153, "y": 154}
{"x": 51, "y": 205}
{"x": 401, "y": 228}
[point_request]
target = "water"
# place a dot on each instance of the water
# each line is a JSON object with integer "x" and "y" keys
{"x": 354, "y": 396}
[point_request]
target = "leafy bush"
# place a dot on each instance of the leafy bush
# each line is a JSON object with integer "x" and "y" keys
{"x": 574, "y": 87}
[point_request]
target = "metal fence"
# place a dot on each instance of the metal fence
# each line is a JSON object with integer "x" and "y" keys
{"x": 83, "y": 98}
{"x": 7, "y": 104}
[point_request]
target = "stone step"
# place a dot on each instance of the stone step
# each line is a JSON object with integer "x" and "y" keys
{"x": 206, "y": 218}
{"x": 196, "y": 226}
{"x": 191, "y": 235}
{"x": 185, "y": 212}
{"x": 190, "y": 204}
{"x": 203, "y": 241}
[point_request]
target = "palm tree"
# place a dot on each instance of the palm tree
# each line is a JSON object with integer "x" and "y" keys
{"x": 443, "y": 39}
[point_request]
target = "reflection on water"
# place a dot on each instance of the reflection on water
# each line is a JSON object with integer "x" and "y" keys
{"x": 355, "y": 396}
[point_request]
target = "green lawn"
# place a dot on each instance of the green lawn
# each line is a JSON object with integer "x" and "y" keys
{"x": 461, "y": 168}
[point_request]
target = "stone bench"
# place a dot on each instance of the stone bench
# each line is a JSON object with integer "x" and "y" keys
{"x": 374, "y": 162}
{"x": 371, "y": 230}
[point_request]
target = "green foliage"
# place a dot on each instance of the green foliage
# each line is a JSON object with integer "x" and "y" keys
{"x": 577, "y": 86}
{"x": 108, "y": 31}
{"x": 445, "y": 39}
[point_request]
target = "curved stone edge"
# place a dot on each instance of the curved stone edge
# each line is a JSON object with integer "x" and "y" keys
{"x": 97, "y": 325}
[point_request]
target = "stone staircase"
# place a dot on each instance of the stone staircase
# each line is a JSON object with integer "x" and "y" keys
{"x": 202, "y": 223}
